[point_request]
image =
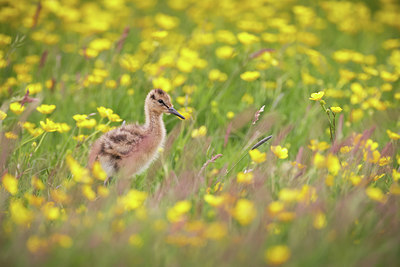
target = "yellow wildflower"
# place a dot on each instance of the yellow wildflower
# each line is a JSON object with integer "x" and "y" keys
{"x": 257, "y": 156}
{"x": 289, "y": 195}
{"x": 247, "y": 99}
{"x": 319, "y": 220}
{"x": 17, "y": 108}
{"x": 159, "y": 35}
{"x": 180, "y": 80}
{"x": 63, "y": 127}
{"x": 307, "y": 194}
{"x": 333, "y": 164}
{"x": 183, "y": 100}
{"x": 277, "y": 255}
{"x": 3, "y": 115}
{"x": 103, "y": 191}
{"x": 317, "y": 96}
{"x": 356, "y": 115}
{"x": 230, "y": 115}
{"x": 244, "y": 211}
{"x": 10, "y": 183}
{"x": 345, "y": 149}
{"x": 395, "y": 175}
{"x": 88, "y": 123}
{"x": 320, "y": 146}
{"x": 19, "y": 214}
{"x": 297, "y": 165}
{"x": 393, "y": 135}
{"x": 49, "y": 125}
{"x": 88, "y": 192}
{"x": 80, "y": 117}
{"x": 125, "y": 80}
{"x": 391, "y": 44}
{"x": 319, "y": 161}
{"x": 98, "y": 171}
{"x": 186, "y": 112}
{"x": 202, "y": 131}
{"x": 133, "y": 200}
{"x": 10, "y": 135}
{"x": 114, "y": 118}
{"x": 80, "y": 174}
{"x": 308, "y": 79}
{"x": 129, "y": 62}
{"x": 162, "y": 83}
{"x": 225, "y": 52}
{"x": 59, "y": 196}
{"x": 275, "y": 207}
{"x": 376, "y": 194}
{"x": 214, "y": 201}
{"x": 217, "y": 75}
{"x": 34, "y": 200}
{"x": 355, "y": 179}
{"x": 5, "y": 39}
{"x": 336, "y": 109}
{"x": 104, "y": 128}
{"x": 225, "y": 36}
{"x": 250, "y": 76}
{"x": 166, "y": 22}
{"x": 245, "y": 178}
{"x": 80, "y": 138}
{"x": 177, "y": 212}
{"x": 377, "y": 177}
{"x": 34, "y": 88}
{"x": 100, "y": 44}
{"x": 46, "y": 109}
{"x": 384, "y": 161}
{"x": 50, "y": 211}
{"x": 37, "y": 183}
{"x": 280, "y": 152}
{"x": 389, "y": 77}
{"x": 247, "y": 38}
{"x": 111, "y": 84}
{"x": 104, "y": 112}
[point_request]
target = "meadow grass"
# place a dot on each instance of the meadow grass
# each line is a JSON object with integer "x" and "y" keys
{"x": 323, "y": 191}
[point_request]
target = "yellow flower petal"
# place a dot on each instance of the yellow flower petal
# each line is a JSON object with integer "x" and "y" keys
{"x": 317, "y": 96}
{"x": 277, "y": 255}
{"x": 10, "y": 183}
{"x": 257, "y": 156}
{"x": 46, "y": 109}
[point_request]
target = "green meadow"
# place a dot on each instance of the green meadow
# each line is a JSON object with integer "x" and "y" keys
{"x": 320, "y": 77}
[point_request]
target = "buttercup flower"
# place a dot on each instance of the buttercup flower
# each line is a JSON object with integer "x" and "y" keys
{"x": 257, "y": 156}
{"x": 46, "y": 109}
{"x": 250, "y": 76}
{"x": 17, "y": 108}
{"x": 317, "y": 96}
{"x": 277, "y": 255}
{"x": 336, "y": 109}
{"x": 280, "y": 152}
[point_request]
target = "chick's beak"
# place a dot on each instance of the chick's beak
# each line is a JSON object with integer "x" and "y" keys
{"x": 176, "y": 113}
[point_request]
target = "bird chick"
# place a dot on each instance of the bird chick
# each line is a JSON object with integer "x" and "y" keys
{"x": 130, "y": 149}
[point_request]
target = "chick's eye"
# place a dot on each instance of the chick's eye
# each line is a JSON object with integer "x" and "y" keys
{"x": 160, "y": 101}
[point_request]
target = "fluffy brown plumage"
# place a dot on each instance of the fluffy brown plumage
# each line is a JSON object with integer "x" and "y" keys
{"x": 131, "y": 148}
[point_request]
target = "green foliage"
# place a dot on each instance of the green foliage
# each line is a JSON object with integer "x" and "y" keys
{"x": 320, "y": 192}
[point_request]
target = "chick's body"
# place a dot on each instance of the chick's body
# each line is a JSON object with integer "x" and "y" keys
{"x": 130, "y": 149}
